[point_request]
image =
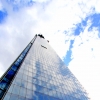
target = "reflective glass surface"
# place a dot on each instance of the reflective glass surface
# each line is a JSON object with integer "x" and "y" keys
{"x": 44, "y": 76}
{"x": 11, "y": 72}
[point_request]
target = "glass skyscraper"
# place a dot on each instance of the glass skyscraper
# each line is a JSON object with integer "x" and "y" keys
{"x": 39, "y": 74}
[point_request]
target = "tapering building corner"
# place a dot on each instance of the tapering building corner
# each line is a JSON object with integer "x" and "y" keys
{"x": 39, "y": 74}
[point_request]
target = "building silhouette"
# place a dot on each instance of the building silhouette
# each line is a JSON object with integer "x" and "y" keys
{"x": 39, "y": 74}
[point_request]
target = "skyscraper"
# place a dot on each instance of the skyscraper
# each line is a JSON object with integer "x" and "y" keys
{"x": 39, "y": 74}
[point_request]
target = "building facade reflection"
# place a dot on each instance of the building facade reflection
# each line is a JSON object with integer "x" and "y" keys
{"x": 41, "y": 75}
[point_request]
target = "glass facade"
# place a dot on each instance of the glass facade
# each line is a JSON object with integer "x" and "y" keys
{"x": 43, "y": 76}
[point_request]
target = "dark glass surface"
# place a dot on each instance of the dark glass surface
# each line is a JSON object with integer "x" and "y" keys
{"x": 1, "y": 93}
{"x": 3, "y": 85}
{"x": 14, "y": 68}
{"x": 10, "y": 74}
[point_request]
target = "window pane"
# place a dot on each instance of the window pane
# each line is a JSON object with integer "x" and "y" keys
{"x": 52, "y": 98}
{"x": 7, "y": 96}
{"x": 22, "y": 92}
{"x": 18, "y": 81}
{"x": 29, "y": 94}
{"x": 21, "y": 98}
{"x": 17, "y": 63}
{"x": 24, "y": 84}
{"x": 16, "y": 89}
{"x": 30, "y": 74}
{"x": 26, "y": 72}
{"x": 14, "y": 68}
{"x": 13, "y": 97}
{"x": 34, "y": 80}
{"x": 40, "y": 96}
{"x": 29, "y": 86}
{"x": 24, "y": 77}
{"x": 19, "y": 75}
{"x": 29, "y": 79}
{"x": 10, "y": 89}
{"x": 1, "y": 93}
{"x": 46, "y": 97}
{"x": 3, "y": 84}
{"x": 21, "y": 70}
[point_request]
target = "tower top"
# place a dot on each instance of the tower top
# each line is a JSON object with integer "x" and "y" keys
{"x": 41, "y": 36}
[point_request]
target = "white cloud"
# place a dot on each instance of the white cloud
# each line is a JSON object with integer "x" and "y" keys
{"x": 85, "y": 63}
{"x": 1, "y": 69}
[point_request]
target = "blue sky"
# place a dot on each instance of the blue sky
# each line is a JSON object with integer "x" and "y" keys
{"x": 3, "y": 15}
{"x": 79, "y": 27}
{"x": 72, "y": 27}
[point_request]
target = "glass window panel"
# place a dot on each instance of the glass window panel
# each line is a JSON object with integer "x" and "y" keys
{"x": 29, "y": 86}
{"x": 3, "y": 84}
{"x": 34, "y": 80}
{"x": 22, "y": 92}
{"x": 44, "y": 83}
{"x": 46, "y": 97}
{"x": 29, "y": 79}
{"x": 54, "y": 93}
{"x": 39, "y": 88}
{"x": 18, "y": 81}
{"x": 19, "y": 75}
{"x": 30, "y": 69}
{"x": 52, "y": 98}
{"x": 7, "y": 96}
{"x": 24, "y": 77}
{"x": 10, "y": 74}
{"x": 21, "y": 70}
{"x": 50, "y": 92}
{"x": 34, "y": 87}
{"x": 13, "y": 82}
{"x": 21, "y": 98}
{"x": 26, "y": 67}
{"x": 5, "y": 79}
{"x": 10, "y": 89}
{"x": 40, "y": 96}
{"x": 59, "y": 95}
{"x": 26, "y": 71}
{"x": 19, "y": 60}
{"x": 67, "y": 97}
{"x": 29, "y": 94}
{"x": 35, "y": 97}
{"x": 1, "y": 93}
{"x": 14, "y": 68}
{"x": 24, "y": 84}
{"x": 39, "y": 82}
{"x": 16, "y": 89}
{"x": 30, "y": 74}
{"x": 63, "y": 96}
{"x": 13, "y": 97}
{"x": 23, "y": 66}
{"x": 17, "y": 63}
{"x": 71, "y": 98}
